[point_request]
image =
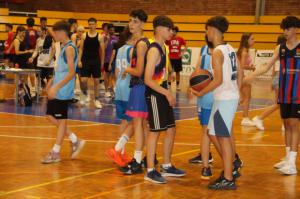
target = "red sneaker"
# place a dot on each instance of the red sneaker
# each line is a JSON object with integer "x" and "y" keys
{"x": 126, "y": 158}
{"x": 115, "y": 157}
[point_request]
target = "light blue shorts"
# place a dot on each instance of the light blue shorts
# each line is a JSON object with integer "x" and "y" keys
{"x": 221, "y": 118}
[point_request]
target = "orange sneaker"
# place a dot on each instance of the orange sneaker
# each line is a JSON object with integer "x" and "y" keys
{"x": 126, "y": 158}
{"x": 115, "y": 157}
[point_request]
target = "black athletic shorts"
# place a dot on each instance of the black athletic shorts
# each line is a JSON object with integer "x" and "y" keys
{"x": 160, "y": 113}
{"x": 91, "y": 67}
{"x": 10, "y": 57}
{"x": 290, "y": 111}
{"x": 176, "y": 65}
{"x": 58, "y": 108}
{"x": 106, "y": 68}
{"x": 46, "y": 72}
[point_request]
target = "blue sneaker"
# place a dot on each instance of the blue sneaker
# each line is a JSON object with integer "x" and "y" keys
{"x": 172, "y": 172}
{"x": 155, "y": 177}
{"x": 206, "y": 173}
{"x": 223, "y": 184}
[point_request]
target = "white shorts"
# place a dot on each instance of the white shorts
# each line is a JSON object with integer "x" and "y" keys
{"x": 221, "y": 118}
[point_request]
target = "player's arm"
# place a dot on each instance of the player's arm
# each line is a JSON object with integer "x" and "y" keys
{"x": 152, "y": 57}
{"x": 113, "y": 54}
{"x": 73, "y": 38}
{"x": 81, "y": 50}
{"x": 217, "y": 63}
{"x": 240, "y": 75}
{"x": 264, "y": 68}
{"x": 198, "y": 63}
{"x": 17, "y": 48}
{"x": 139, "y": 69}
{"x": 102, "y": 49}
{"x": 35, "y": 52}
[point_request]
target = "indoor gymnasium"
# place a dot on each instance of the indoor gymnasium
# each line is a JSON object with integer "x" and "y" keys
{"x": 149, "y": 99}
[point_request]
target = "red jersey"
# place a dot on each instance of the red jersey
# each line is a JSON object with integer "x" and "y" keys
{"x": 9, "y": 41}
{"x": 31, "y": 36}
{"x": 175, "y": 47}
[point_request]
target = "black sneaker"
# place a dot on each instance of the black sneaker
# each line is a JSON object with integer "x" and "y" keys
{"x": 132, "y": 168}
{"x": 172, "y": 172}
{"x": 206, "y": 173}
{"x": 237, "y": 163}
{"x": 235, "y": 174}
{"x": 155, "y": 177}
{"x": 198, "y": 159}
{"x": 144, "y": 161}
{"x": 222, "y": 184}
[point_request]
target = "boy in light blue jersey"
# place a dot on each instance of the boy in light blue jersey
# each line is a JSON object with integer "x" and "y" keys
{"x": 123, "y": 59}
{"x": 60, "y": 92}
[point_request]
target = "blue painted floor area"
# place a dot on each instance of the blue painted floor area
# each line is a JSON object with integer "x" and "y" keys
{"x": 184, "y": 109}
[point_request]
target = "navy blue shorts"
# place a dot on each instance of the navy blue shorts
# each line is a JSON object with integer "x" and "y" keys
{"x": 204, "y": 115}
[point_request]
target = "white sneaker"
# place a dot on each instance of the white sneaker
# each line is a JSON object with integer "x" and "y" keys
{"x": 98, "y": 104}
{"x": 102, "y": 87}
{"x": 77, "y": 91}
{"x": 83, "y": 99}
{"x": 280, "y": 164}
{"x": 247, "y": 122}
{"x": 107, "y": 94}
{"x": 258, "y": 123}
{"x": 288, "y": 169}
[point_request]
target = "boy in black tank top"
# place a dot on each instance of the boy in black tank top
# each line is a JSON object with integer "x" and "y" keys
{"x": 89, "y": 61}
{"x": 159, "y": 101}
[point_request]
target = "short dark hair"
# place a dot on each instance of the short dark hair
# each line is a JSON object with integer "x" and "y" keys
{"x": 104, "y": 25}
{"x": 30, "y": 21}
{"x": 72, "y": 21}
{"x": 9, "y": 25}
{"x": 20, "y": 29}
{"x": 162, "y": 20}
{"x": 290, "y": 22}
{"x": 43, "y": 19}
{"x": 218, "y": 22}
{"x": 175, "y": 28}
{"x": 140, "y": 14}
{"x": 62, "y": 25}
{"x": 92, "y": 19}
{"x": 109, "y": 26}
{"x": 44, "y": 29}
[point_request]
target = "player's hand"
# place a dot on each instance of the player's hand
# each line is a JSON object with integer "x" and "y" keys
{"x": 52, "y": 92}
{"x": 30, "y": 60}
{"x": 124, "y": 74}
{"x": 79, "y": 64}
{"x": 171, "y": 99}
{"x": 189, "y": 93}
{"x": 48, "y": 62}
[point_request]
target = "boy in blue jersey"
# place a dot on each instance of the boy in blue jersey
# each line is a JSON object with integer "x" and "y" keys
{"x": 60, "y": 91}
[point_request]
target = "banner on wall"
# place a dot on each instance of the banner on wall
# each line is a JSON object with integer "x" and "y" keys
{"x": 189, "y": 60}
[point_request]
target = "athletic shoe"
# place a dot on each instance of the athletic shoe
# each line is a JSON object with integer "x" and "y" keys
{"x": 144, "y": 161}
{"x": 155, "y": 177}
{"x": 206, "y": 173}
{"x": 280, "y": 164}
{"x": 235, "y": 173}
{"x": 126, "y": 158}
{"x": 116, "y": 157}
{"x": 222, "y": 184}
{"x": 172, "y": 172}
{"x": 288, "y": 169}
{"x": 237, "y": 163}
{"x": 98, "y": 104}
{"x": 258, "y": 123}
{"x": 132, "y": 168}
{"x": 77, "y": 91}
{"x": 247, "y": 122}
{"x": 76, "y": 148}
{"x": 51, "y": 157}
{"x": 107, "y": 94}
{"x": 198, "y": 159}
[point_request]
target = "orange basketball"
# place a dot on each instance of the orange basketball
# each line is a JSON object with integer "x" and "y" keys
{"x": 199, "y": 79}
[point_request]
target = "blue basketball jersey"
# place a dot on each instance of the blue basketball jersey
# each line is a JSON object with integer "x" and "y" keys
{"x": 205, "y": 101}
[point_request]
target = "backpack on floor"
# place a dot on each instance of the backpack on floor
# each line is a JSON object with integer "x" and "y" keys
{"x": 24, "y": 95}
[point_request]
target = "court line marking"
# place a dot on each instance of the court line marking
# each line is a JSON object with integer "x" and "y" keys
{"x": 4, "y": 193}
{"x": 114, "y": 141}
{"x": 51, "y": 126}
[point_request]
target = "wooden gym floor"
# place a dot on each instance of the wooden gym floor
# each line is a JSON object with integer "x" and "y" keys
{"x": 26, "y": 138}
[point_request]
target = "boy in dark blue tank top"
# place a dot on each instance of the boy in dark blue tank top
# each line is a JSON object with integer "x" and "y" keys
{"x": 160, "y": 102}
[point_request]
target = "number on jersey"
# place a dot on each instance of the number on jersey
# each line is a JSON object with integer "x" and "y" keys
{"x": 232, "y": 57}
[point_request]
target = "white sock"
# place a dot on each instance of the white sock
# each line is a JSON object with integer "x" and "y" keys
{"x": 292, "y": 157}
{"x": 73, "y": 138}
{"x": 138, "y": 156}
{"x": 121, "y": 142}
{"x": 287, "y": 151}
{"x": 165, "y": 166}
{"x": 56, "y": 148}
{"x": 150, "y": 169}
